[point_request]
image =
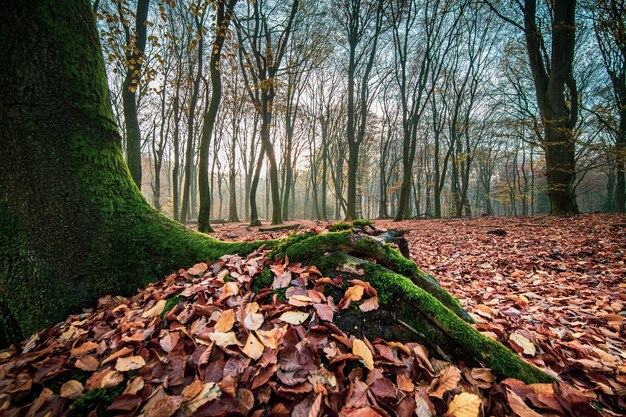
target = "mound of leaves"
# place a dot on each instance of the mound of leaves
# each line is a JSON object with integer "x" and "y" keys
{"x": 209, "y": 342}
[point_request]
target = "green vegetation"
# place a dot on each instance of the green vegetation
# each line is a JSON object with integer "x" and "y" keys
{"x": 397, "y": 291}
{"x": 172, "y": 302}
{"x": 96, "y": 399}
{"x": 339, "y": 226}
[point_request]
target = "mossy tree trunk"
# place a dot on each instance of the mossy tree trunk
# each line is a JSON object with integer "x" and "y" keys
{"x": 73, "y": 224}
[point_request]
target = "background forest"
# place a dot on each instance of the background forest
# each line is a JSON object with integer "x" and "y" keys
{"x": 361, "y": 108}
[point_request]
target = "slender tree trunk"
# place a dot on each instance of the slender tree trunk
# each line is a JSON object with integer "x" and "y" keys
{"x": 324, "y": 171}
{"x": 620, "y": 159}
{"x": 223, "y": 16}
{"x": 273, "y": 167}
{"x": 135, "y": 57}
{"x": 190, "y": 131}
{"x": 233, "y": 217}
{"x": 254, "y": 185}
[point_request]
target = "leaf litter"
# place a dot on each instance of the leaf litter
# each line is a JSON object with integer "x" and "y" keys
{"x": 224, "y": 350}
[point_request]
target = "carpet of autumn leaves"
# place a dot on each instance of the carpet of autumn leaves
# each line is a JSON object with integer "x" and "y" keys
{"x": 202, "y": 342}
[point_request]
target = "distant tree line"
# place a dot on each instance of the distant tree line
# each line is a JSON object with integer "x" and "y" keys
{"x": 369, "y": 108}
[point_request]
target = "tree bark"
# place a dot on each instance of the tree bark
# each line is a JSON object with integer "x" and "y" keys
{"x": 95, "y": 234}
{"x": 135, "y": 58}
{"x": 224, "y": 14}
{"x": 551, "y": 81}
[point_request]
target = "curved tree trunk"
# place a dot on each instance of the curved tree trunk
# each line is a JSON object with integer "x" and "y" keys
{"x": 224, "y": 14}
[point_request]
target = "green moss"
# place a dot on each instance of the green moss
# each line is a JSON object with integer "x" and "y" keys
{"x": 361, "y": 223}
{"x": 339, "y": 226}
{"x": 314, "y": 247}
{"x": 282, "y": 294}
{"x": 96, "y": 399}
{"x": 281, "y": 245}
{"x": 172, "y": 302}
{"x": 394, "y": 288}
{"x": 264, "y": 280}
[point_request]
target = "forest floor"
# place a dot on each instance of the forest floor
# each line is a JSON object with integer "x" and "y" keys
{"x": 207, "y": 341}
{"x": 552, "y": 289}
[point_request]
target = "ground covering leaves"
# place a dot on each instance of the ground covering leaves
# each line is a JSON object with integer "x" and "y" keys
{"x": 210, "y": 341}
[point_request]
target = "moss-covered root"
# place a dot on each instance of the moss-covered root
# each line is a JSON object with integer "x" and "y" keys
{"x": 315, "y": 246}
{"x": 412, "y": 305}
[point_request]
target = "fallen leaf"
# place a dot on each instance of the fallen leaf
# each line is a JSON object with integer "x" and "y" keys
{"x": 72, "y": 389}
{"x": 197, "y": 269}
{"x": 369, "y": 304}
{"x": 464, "y": 405}
{"x": 253, "y": 321}
{"x": 226, "y": 321}
{"x": 526, "y": 345}
{"x": 155, "y": 310}
{"x": 130, "y": 363}
{"x": 404, "y": 383}
{"x": 294, "y": 317}
{"x": 224, "y": 339}
{"x": 447, "y": 380}
{"x": 518, "y": 406}
{"x": 84, "y": 349}
{"x": 354, "y": 293}
{"x": 360, "y": 349}
{"x": 210, "y": 391}
{"x": 253, "y": 348}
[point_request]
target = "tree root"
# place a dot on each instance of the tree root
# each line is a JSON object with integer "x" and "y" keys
{"x": 412, "y": 304}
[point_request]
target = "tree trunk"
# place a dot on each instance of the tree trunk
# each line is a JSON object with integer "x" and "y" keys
{"x": 273, "y": 167}
{"x": 254, "y": 185}
{"x": 224, "y": 13}
{"x": 96, "y": 234}
{"x": 189, "y": 151}
{"x": 559, "y": 150}
{"x": 558, "y": 111}
{"x": 129, "y": 87}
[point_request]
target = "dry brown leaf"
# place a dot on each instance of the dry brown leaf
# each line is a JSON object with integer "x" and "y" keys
{"x": 270, "y": 338}
{"x": 111, "y": 379}
{"x": 354, "y": 293}
{"x": 130, "y": 363}
{"x": 447, "y": 380}
{"x": 518, "y": 406}
{"x": 404, "y": 383}
{"x": 526, "y": 345}
{"x": 197, "y": 269}
{"x": 84, "y": 349}
{"x": 87, "y": 363}
{"x": 72, "y": 389}
{"x": 421, "y": 406}
{"x": 294, "y": 317}
{"x": 224, "y": 339}
{"x": 134, "y": 385}
{"x": 360, "y": 349}
{"x": 155, "y": 310}
{"x": 253, "y": 348}
{"x": 253, "y": 321}
{"x": 369, "y": 304}
{"x": 464, "y": 405}
{"x": 230, "y": 288}
{"x": 226, "y": 321}
{"x": 210, "y": 391}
